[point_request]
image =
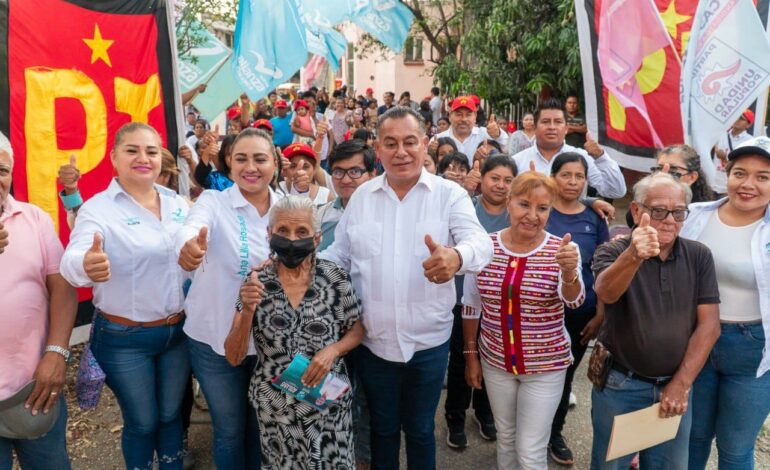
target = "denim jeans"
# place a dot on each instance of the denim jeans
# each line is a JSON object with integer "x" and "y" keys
{"x": 729, "y": 401}
{"x": 147, "y": 370}
{"x": 624, "y": 395}
{"x": 403, "y": 396}
{"x": 226, "y": 388}
{"x": 44, "y": 453}
{"x": 458, "y": 393}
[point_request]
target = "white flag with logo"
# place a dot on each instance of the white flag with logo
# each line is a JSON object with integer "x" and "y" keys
{"x": 726, "y": 67}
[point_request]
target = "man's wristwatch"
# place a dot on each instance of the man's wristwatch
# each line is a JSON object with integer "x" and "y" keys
{"x": 59, "y": 350}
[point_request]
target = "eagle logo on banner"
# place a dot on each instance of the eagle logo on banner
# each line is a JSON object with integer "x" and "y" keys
{"x": 625, "y": 131}
{"x": 74, "y": 72}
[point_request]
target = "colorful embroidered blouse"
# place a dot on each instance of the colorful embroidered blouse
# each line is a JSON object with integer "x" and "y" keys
{"x": 518, "y": 299}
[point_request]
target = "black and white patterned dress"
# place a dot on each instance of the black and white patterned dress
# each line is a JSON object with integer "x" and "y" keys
{"x": 293, "y": 434}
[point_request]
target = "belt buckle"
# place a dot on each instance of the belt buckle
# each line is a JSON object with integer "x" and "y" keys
{"x": 170, "y": 318}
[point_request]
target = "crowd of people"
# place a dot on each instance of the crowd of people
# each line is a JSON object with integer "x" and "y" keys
{"x": 398, "y": 246}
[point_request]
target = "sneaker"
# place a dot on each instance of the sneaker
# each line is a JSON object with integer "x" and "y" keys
{"x": 455, "y": 437}
{"x": 572, "y": 400}
{"x": 487, "y": 428}
{"x": 559, "y": 451}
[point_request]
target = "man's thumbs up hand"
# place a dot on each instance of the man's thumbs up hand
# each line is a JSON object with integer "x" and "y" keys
{"x": 443, "y": 262}
{"x": 96, "y": 263}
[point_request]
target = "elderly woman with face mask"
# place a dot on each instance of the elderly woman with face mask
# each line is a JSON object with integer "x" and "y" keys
{"x": 298, "y": 305}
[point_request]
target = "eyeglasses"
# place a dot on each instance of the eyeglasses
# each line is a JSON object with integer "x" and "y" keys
{"x": 673, "y": 170}
{"x": 660, "y": 213}
{"x": 354, "y": 173}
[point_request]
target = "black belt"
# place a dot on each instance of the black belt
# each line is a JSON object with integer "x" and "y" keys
{"x": 631, "y": 374}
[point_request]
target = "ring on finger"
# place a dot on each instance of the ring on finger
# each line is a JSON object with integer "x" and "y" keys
{"x": 53, "y": 394}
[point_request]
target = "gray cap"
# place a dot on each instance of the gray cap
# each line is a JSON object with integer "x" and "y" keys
{"x": 17, "y": 422}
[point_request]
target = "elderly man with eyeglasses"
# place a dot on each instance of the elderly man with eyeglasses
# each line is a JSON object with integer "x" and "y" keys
{"x": 661, "y": 321}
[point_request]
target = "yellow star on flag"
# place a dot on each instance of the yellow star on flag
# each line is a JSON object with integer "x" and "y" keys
{"x": 99, "y": 46}
{"x": 672, "y": 19}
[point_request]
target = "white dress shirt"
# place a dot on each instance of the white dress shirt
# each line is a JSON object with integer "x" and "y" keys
{"x": 145, "y": 279}
{"x": 603, "y": 173}
{"x": 237, "y": 242}
{"x": 471, "y": 143}
{"x": 380, "y": 241}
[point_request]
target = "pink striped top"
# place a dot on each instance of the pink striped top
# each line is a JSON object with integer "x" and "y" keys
{"x": 518, "y": 298}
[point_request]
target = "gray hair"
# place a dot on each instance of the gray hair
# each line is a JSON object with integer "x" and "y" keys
{"x": 5, "y": 146}
{"x": 659, "y": 179}
{"x": 400, "y": 112}
{"x": 295, "y": 203}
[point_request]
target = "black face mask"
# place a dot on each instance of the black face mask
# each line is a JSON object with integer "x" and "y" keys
{"x": 291, "y": 252}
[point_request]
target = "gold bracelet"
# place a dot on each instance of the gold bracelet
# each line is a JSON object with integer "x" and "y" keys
{"x": 572, "y": 282}
{"x": 471, "y": 352}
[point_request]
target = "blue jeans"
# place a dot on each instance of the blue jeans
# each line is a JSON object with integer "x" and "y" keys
{"x": 729, "y": 401}
{"x": 226, "y": 388}
{"x": 624, "y": 395}
{"x": 46, "y": 452}
{"x": 361, "y": 422}
{"x": 147, "y": 370}
{"x": 403, "y": 396}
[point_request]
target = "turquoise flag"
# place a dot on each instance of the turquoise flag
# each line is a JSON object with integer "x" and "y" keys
{"x": 200, "y": 63}
{"x": 222, "y": 90}
{"x": 270, "y": 45}
{"x": 329, "y": 44}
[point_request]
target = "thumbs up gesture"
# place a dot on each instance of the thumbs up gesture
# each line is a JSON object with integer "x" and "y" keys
{"x": 322, "y": 128}
{"x": 3, "y": 238}
{"x": 69, "y": 174}
{"x": 443, "y": 262}
{"x": 252, "y": 292}
{"x": 532, "y": 166}
{"x": 473, "y": 178}
{"x": 567, "y": 257}
{"x": 492, "y": 128}
{"x": 96, "y": 263}
{"x": 644, "y": 239}
{"x": 592, "y": 147}
{"x": 194, "y": 250}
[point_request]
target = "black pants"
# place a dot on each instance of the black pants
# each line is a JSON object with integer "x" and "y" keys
{"x": 575, "y": 322}
{"x": 458, "y": 393}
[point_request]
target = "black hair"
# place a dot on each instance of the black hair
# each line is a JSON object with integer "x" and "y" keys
{"x": 453, "y": 157}
{"x": 406, "y": 93}
{"x": 308, "y": 94}
{"x": 349, "y": 149}
{"x": 224, "y": 148}
{"x": 550, "y": 103}
{"x": 445, "y": 141}
{"x": 568, "y": 157}
{"x": 701, "y": 191}
{"x": 337, "y": 94}
{"x": 494, "y": 161}
{"x": 492, "y": 143}
{"x": 363, "y": 134}
{"x": 435, "y": 91}
{"x": 443, "y": 118}
{"x": 389, "y": 93}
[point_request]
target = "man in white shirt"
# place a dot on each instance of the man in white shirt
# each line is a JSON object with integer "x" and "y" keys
{"x": 734, "y": 137}
{"x": 403, "y": 237}
{"x": 435, "y": 104}
{"x": 463, "y": 130}
{"x": 550, "y": 131}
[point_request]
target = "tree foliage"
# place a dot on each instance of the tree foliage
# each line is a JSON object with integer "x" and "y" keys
{"x": 507, "y": 51}
{"x": 206, "y": 12}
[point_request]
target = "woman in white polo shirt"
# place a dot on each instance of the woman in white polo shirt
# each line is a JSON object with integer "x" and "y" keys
{"x": 225, "y": 236}
{"x": 123, "y": 247}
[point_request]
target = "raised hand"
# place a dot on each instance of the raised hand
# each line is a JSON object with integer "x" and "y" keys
{"x": 442, "y": 264}
{"x": 3, "y": 237}
{"x": 433, "y": 147}
{"x": 186, "y": 154}
{"x": 301, "y": 180}
{"x": 492, "y": 128}
{"x": 644, "y": 239}
{"x": 194, "y": 250}
{"x": 322, "y": 128}
{"x": 252, "y": 291}
{"x": 96, "y": 263}
{"x": 592, "y": 147}
{"x": 69, "y": 175}
{"x": 473, "y": 178}
{"x": 532, "y": 166}
{"x": 567, "y": 257}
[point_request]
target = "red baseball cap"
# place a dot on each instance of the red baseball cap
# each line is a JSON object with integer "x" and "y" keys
{"x": 299, "y": 149}
{"x": 281, "y": 104}
{"x": 749, "y": 116}
{"x": 369, "y": 90}
{"x": 476, "y": 99}
{"x": 263, "y": 123}
{"x": 463, "y": 102}
{"x": 233, "y": 113}
{"x": 301, "y": 103}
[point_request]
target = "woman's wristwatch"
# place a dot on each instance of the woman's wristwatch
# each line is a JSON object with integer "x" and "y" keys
{"x": 59, "y": 350}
